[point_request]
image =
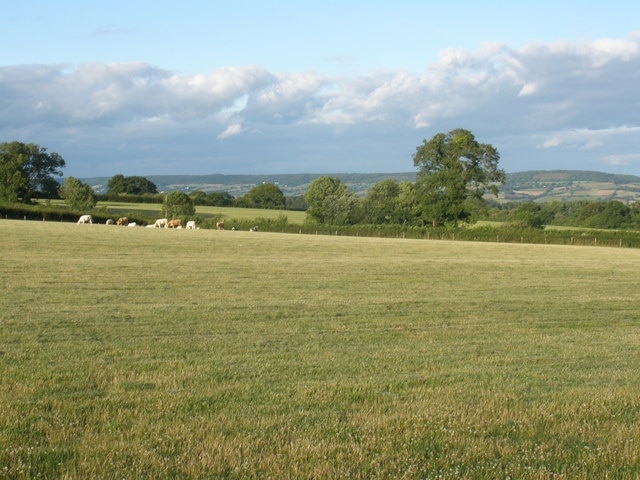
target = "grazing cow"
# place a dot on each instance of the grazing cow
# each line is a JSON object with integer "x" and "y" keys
{"x": 85, "y": 219}
{"x": 175, "y": 223}
{"x": 110, "y": 222}
{"x": 254, "y": 229}
{"x": 161, "y": 223}
{"x": 191, "y": 225}
{"x": 122, "y": 221}
{"x": 220, "y": 225}
{"x": 132, "y": 224}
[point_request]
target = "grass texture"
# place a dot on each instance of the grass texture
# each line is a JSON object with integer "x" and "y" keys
{"x": 154, "y": 211}
{"x": 154, "y": 353}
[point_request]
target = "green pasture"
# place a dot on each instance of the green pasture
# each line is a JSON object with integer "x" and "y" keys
{"x": 154, "y": 211}
{"x": 157, "y": 353}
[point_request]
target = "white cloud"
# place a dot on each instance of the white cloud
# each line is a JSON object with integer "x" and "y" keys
{"x": 624, "y": 159}
{"x": 528, "y": 89}
{"x": 552, "y": 142}
{"x": 231, "y": 130}
{"x": 569, "y": 96}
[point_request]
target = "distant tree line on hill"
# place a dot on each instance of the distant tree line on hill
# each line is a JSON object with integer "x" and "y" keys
{"x": 455, "y": 174}
{"x": 142, "y": 190}
{"x": 607, "y": 214}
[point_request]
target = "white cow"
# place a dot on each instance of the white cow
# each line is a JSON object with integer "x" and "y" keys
{"x": 132, "y": 224}
{"x": 85, "y": 219}
{"x": 161, "y": 223}
{"x": 191, "y": 225}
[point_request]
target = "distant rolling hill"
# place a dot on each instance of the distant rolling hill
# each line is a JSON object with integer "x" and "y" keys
{"x": 535, "y": 185}
{"x": 238, "y": 185}
{"x": 545, "y": 186}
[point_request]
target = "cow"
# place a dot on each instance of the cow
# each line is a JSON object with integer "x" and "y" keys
{"x": 191, "y": 225}
{"x": 160, "y": 223}
{"x": 85, "y": 219}
{"x": 132, "y": 224}
{"x": 110, "y": 222}
{"x": 220, "y": 225}
{"x": 122, "y": 221}
{"x": 175, "y": 223}
{"x": 254, "y": 229}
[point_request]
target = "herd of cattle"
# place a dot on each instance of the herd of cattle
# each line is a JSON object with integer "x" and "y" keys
{"x": 160, "y": 223}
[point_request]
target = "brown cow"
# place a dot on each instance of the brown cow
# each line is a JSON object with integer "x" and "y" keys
{"x": 220, "y": 225}
{"x": 122, "y": 221}
{"x": 175, "y": 223}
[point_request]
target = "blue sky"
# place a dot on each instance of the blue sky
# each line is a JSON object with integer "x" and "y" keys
{"x": 196, "y": 87}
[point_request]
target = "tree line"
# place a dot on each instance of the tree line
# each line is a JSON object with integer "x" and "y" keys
{"x": 455, "y": 172}
{"x": 456, "y": 176}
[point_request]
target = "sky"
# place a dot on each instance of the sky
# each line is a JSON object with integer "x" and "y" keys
{"x": 159, "y": 87}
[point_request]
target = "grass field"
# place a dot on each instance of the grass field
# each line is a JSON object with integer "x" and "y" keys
{"x": 154, "y": 353}
{"x": 154, "y": 211}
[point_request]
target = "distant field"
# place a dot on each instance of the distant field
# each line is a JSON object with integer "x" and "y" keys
{"x": 155, "y": 353}
{"x": 226, "y": 213}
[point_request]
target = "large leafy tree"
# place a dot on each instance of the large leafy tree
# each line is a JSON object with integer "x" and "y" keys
{"x": 26, "y": 168}
{"x": 77, "y": 194}
{"x": 454, "y": 172}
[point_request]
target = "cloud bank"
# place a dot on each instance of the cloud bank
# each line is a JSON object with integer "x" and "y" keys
{"x": 573, "y": 105}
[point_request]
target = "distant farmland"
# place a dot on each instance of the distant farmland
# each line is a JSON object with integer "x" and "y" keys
{"x": 520, "y": 186}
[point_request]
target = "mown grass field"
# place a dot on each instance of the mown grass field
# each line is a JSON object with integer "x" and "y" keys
{"x": 154, "y": 353}
{"x": 154, "y": 211}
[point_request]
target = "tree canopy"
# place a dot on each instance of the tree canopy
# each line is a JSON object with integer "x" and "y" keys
{"x": 381, "y": 203}
{"x": 178, "y": 205}
{"x": 454, "y": 170}
{"x": 119, "y": 184}
{"x": 265, "y": 195}
{"x": 331, "y": 202}
{"x": 77, "y": 194}
{"x": 26, "y": 168}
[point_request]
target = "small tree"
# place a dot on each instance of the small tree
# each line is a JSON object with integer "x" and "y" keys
{"x": 408, "y": 207}
{"x": 198, "y": 197}
{"x": 453, "y": 169}
{"x": 381, "y": 203}
{"x": 322, "y": 197}
{"x": 266, "y": 195}
{"x": 132, "y": 185}
{"x": 342, "y": 209}
{"x": 178, "y": 205}
{"x": 529, "y": 214}
{"x": 219, "y": 199}
{"x": 78, "y": 195}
